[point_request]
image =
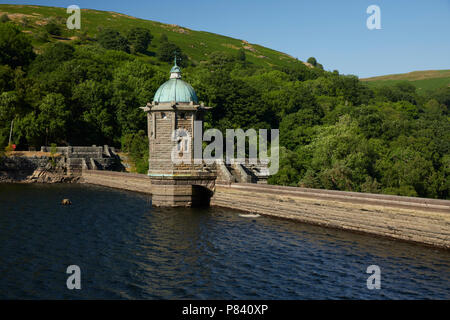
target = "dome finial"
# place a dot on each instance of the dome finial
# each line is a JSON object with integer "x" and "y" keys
{"x": 175, "y": 72}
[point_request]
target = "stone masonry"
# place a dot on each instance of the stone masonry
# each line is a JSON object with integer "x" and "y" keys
{"x": 179, "y": 184}
{"x": 84, "y": 157}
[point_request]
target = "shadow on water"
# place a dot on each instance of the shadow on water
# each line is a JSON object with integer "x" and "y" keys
{"x": 127, "y": 250}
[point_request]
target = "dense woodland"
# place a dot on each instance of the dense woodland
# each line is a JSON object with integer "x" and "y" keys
{"x": 335, "y": 132}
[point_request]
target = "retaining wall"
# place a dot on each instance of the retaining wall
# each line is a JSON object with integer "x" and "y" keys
{"x": 413, "y": 219}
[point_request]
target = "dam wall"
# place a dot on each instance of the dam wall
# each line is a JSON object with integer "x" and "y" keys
{"x": 119, "y": 180}
{"x": 179, "y": 191}
{"x": 425, "y": 221}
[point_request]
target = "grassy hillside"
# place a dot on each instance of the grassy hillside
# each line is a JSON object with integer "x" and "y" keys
{"x": 196, "y": 44}
{"x": 423, "y": 80}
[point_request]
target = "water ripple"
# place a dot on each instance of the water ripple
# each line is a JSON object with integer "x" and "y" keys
{"x": 128, "y": 250}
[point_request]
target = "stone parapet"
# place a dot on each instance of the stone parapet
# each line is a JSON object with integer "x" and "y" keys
{"x": 118, "y": 180}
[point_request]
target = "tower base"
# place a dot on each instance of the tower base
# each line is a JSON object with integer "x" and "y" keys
{"x": 182, "y": 191}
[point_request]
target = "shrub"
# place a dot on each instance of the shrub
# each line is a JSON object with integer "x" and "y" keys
{"x": 112, "y": 40}
{"x": 25, "y": 22}
{"x": 53, "y": 29}
{"x": 166, "y": 53}
{"x": 9, "y": 148}
{"x": 241, "y": 55}
{"x": 41, "y": 36}
{"x": 15, "y": 47}
{"x": 312, "y": 60}
{"x": 53, "y": 149}
{"x": 163, "y": 38}
{"x": 136, "y": 145}
{"x": 4, "y": 18}
{"x": 139, "y": 39}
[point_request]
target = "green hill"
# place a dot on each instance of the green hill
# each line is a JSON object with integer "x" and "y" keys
{"x": 196, "y": 44}
{"x": 423, "y": 80}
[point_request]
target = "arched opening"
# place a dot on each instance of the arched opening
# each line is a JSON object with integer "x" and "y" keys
{"x": 201, "y": 196}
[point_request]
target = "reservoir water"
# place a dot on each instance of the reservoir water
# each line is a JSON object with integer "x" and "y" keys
{"x": 128, "y": 250}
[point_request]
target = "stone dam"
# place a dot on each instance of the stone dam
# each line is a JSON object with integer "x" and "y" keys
{"x": 425, "y": 221}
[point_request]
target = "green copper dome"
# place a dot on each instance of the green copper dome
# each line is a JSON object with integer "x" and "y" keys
{"x": 175, "y": 89}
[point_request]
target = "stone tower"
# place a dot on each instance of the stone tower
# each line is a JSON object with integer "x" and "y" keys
{"x": 170, "y": 118}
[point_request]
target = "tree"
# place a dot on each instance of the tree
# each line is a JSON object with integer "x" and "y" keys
{"x": 136, "y": 145}
{"x": 167, "y": 51}
{"x": 235, "y": 104}
{"x": 96, "y": 121}
{"x": 53, "y": 29}
{"x": 8, "y": 105}
{"x": 58, "y": 52}
{"x": 6, "y": 78}
{"x": 139, "y": 39}
{"x": 290, "y": 169}
{"x": 41, "y": 36}
{"x": 112, "y": 40}
{"x": 53, "y": 116}
{"x": 54, "y": 54}
{"x": 241, "y": 55}
{"x": 297, "y": 129}
{"x": 405, "y": 171}
{"x": 25, "y": 22}
{"x": 219, "y": 60}
{"x": 8, "y": 110}
{"x": 15, "y": 47}
{"x": 339, "y": 157}
{"x": 4, "y": 18}
{"x": 312, "y": 61}
{"x": 299, "y": 71}
{"x": 163, "y": 38}
{"x": 134, "y": 85}
{"x": 442, "y": 95}
{"x": 402, "y": 91}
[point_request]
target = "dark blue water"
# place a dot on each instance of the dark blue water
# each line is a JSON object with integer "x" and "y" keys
{"x": 128, "y": 250}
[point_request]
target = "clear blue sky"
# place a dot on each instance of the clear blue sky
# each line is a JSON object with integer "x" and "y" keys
{"x": 415, "y": 34}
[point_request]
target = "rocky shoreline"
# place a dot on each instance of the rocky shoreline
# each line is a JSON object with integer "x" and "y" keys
{"x": 38, "y": 169}
{"x": 38, "y": 176}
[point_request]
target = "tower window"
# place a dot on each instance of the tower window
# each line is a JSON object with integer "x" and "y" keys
{"x": 163, "y": 115}
{"x": 182, "y": 115}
